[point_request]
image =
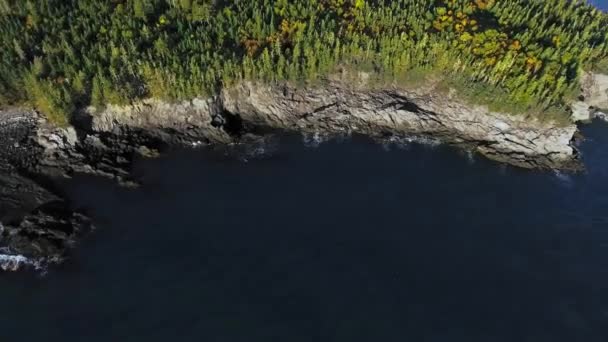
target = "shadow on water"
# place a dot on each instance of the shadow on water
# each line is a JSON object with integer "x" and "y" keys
{"x": 345, "y": 242}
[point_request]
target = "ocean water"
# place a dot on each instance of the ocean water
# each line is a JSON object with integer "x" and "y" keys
{"x": 342, "y": 240}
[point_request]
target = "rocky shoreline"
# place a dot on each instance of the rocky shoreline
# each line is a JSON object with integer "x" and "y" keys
{"x": 340, "y": 107}
{"x": 38, "y": 227}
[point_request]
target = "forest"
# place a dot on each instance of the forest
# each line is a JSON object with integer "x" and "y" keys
{"x": 520, "y": 56}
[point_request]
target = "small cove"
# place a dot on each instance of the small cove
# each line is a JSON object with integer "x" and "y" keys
{"x": 346, "y": 241}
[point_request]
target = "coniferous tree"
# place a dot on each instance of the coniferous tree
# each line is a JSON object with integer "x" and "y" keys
{"x": 519, "y": 53}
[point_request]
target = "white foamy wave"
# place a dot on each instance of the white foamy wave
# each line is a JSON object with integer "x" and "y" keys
{"x": 563, "y": 178}
{"x": 14, "y": 262}
{"x": 400, "y": 143}
{"x": 315, "y": 139}
{"x": 424, "y": 141}
{"x": 404, "y": 142}
{"x": 196, "y": 144}
{"x": 602, "y": 116}
{"x": 470, "y": 156}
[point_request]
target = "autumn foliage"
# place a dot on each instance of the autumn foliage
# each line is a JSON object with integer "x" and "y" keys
{"x": 59, "y": 55}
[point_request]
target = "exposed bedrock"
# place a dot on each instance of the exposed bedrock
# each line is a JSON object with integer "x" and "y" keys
{"x": 340, "y": 107}
{"x": 38, "y": 227}
{"x": 593, "y": 101}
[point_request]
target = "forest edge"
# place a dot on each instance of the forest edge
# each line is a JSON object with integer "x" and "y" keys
{"x": 39, "y": 227}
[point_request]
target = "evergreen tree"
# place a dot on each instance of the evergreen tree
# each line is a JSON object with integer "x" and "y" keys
{"x": 520, "y": 54}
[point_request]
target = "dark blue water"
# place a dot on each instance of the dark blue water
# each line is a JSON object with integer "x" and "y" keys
{"x": 345, "y": 242}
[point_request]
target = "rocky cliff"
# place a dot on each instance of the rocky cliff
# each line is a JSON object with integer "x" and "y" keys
{"x": 35, "y": 224}
{"x": 339, "y": 107}
{"x": 38, "y": 227}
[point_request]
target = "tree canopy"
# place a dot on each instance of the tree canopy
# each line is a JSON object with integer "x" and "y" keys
{"x": 60, "y": 55}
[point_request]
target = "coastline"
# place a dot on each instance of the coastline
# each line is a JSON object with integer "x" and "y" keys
{"x": 341, "y": 107}
{"x": 39, "y": 228}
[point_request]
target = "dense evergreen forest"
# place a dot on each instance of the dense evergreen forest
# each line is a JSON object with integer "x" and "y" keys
{"x": 522, "y": 55}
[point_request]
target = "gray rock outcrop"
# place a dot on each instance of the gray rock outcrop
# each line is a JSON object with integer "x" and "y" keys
{"x": 37, "y": 226}
{"x": 594, "y": 98}
{"x": 186, "y": 121}
{"x": 339, "y": 107}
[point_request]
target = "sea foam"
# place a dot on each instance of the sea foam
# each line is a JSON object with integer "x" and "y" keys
{"x": 10, "y": 262}
{"x": 404, "y": 142}
{"x": 314, "y": 140}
